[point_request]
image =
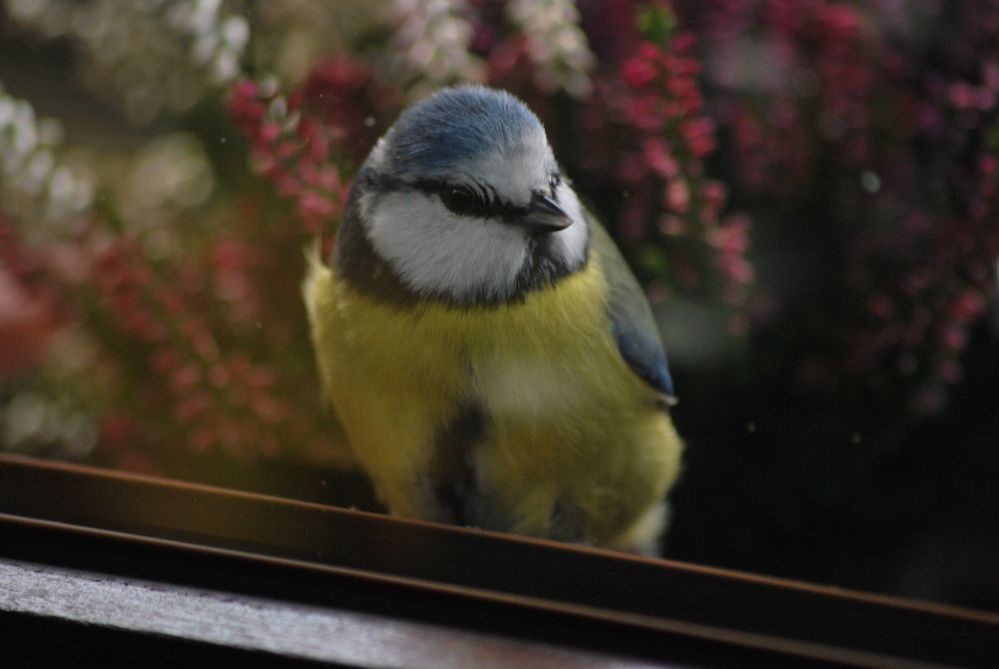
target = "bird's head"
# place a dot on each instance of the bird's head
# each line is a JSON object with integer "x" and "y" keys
{"x": 463, "y": 200}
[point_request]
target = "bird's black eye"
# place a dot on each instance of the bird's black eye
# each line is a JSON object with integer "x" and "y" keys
{"x": 459, "y": 200}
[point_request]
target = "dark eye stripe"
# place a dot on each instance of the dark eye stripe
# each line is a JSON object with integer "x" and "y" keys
{"x": 486, "y": 193}
{"x": 488, "y": 206}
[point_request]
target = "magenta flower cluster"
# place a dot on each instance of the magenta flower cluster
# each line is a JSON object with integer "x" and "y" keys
{"x": 873, "y": 124}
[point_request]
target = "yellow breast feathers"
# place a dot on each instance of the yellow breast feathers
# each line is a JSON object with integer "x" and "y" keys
{"x": 522, "y": 417}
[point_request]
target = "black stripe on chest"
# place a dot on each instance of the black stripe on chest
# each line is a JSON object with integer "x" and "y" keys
{"x": 454, "y": 471}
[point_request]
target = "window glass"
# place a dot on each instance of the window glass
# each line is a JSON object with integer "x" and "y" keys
{"x": 806, "y": 191}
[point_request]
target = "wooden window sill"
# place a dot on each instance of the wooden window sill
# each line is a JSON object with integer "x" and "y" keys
{"x": 87, "y": 554}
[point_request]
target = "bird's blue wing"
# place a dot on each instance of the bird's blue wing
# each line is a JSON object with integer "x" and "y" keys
{"x": 634, "y": 326}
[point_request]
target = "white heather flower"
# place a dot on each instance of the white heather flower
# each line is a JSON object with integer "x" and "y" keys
{"x": 170, "y": 174}
{"x": 34, "y": 186}
{"x": 556, "y": 44}
{"x": 430, "y": 44}
{"x": 151, "y": 54}
{"x": 31, "y": 421}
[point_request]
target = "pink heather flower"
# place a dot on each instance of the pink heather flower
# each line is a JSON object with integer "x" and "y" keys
{"x": 733, "y": 235}
{"x": 650, "y": 52}
{"x": 638, "y": 72}
{"x": 645, "y": 113}
{"x": 26, "y": 327}
{"x": 738, "y": 269}
{"x": 633, "y": 224}
{"x": 677, "y": 195}
{"x": 688, "y": 96}
{"x": 342, "y": 99}
{"x": 292, "y": 141}
{"x": 840, "y": 22}
{"x": 714, "y": 194}
{"x": 969, "y": 306}
{"x": 185, "y": 376}
{"x": 962, "y": 95}
{"x": 192, "y": 406}
{"x": 659, "y": 158}
{"x": 632, "y": 169}
{"x": 314, "y": 208}
{"x": 954, "y": 337}
{"x": 950, "y": 370}
{"x": 686, "y": 67}
{"x": 683, "y": 43}
{"x": 672, "y": 225}
{"x": 987, "y": 165}
{"x": 699, "y": 135}
{"x": 881, "y": 306}
{"x": 269, "y": 132}
{"x": 661, "y": 102}
{"x": 164, "y": 360}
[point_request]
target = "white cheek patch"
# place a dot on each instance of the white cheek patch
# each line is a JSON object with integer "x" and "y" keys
{"x": 573, "y": 240}
{"x": 437, "y": 252}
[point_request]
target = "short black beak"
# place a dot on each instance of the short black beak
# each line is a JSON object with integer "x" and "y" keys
{"x": 544, "y": 215}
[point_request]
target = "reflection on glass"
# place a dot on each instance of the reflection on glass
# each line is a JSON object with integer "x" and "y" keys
{"x": 806, "y": 190}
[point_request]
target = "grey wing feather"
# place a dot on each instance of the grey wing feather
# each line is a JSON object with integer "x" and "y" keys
{"x": 635, "y": 330}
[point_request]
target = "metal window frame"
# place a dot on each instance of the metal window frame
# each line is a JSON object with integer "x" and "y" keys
{"x": 539, "y": 593}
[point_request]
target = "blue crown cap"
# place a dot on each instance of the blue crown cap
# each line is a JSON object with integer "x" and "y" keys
{"x": 455, "y": 126}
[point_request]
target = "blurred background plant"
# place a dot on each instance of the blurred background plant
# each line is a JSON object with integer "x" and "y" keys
{"x": 807, "y": 189}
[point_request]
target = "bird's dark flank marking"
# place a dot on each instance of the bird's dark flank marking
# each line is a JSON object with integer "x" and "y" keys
{"x": 566, "y": 521}
{"x": 456, "y": 482}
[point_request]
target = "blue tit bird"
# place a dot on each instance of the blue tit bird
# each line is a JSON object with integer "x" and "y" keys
{"x": 489, "y": 354}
